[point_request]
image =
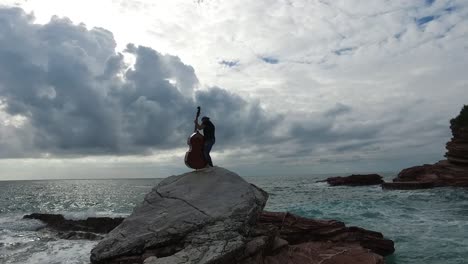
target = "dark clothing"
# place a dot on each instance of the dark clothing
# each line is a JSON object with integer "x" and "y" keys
{"x": 208, "y": 130}
{"x": 206, "y": 150}
{"x": 209, "y": 135}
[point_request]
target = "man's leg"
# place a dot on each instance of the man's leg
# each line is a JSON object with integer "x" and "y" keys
{"x": 206, "y": 151}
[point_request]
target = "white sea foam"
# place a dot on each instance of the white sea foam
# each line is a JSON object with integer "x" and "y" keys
{"x": 44, "y": 251}
{"x": 16, "y": 222}
{"x": 63, "y": 252}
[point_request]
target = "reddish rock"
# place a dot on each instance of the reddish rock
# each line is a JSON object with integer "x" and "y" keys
{"x": 317, "y": 241}
{"x": 451, "y": 172}
{"x": 440, "y": 174}
{"x": 297, "y": 230}
{"x": 457, "y": 148}
{"x": 321, "y": 252}
{"x": 356, "y": 180}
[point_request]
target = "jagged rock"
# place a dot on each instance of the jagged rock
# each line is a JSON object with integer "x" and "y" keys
{"x": 198, "y": 217}
{"x": 457, "y": 147}
{"x": 91, "y": 224}
{"x": 356, "y": 180}
{"x": 214, "y": 216}
{"x": 286, "y": 238}
{"x": 296, "y": 230}
{"x": 440, "y": 174}
{"x": 321, "y": 253}
{"x": 452, "y": 172}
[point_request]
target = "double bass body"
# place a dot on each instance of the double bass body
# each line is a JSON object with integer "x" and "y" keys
{"x": 194, "y": 158}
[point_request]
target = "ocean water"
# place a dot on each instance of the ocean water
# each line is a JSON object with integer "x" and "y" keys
{"x": 428, "y": 226}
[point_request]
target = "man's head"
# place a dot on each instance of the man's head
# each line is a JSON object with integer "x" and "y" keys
{"x": 205, "y": 118}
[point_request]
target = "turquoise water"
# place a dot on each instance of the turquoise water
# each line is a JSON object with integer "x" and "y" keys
{"x": 428, "y": 226}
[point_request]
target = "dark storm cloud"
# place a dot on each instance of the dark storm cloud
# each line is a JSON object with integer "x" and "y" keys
{"x": 80, "y": 97}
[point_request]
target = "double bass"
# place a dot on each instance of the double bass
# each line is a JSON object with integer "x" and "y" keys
{"x": 194, "y": 158}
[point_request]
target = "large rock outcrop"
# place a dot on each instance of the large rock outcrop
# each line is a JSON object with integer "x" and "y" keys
{"x": 457, "y": 147}
{"x": 214, "y": 216}
{"x": 450, "y": 172}
{"x": 198, "y": 217}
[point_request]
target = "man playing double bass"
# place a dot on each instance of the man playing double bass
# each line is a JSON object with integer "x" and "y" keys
{"x": 208, "y": 135}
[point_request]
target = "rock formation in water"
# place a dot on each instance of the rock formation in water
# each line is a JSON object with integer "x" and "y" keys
{"x": 356, "y": 180}
{"x": 214, "y": 216}
{"x": 100, "y": 225}
{"x": 91, "y": 228}
{"x": 450, "y": 172}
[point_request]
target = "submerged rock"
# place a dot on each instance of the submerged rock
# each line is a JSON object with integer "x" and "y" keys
{"x": 356, "y": 180}
{"x": 214, "y": 216}
{"x": 409, "y": 185}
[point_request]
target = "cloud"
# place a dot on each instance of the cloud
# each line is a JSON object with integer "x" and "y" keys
{"x": 78, "y": 96}
{"x": 398, "y": 82}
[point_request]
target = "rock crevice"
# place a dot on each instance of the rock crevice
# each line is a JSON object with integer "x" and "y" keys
{"x": 180, "y": 199}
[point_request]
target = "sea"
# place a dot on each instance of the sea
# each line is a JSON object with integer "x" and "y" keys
{"x": 427, "y": 226}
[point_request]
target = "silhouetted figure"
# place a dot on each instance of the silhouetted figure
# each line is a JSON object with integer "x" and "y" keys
{"x": 209, "y": 136}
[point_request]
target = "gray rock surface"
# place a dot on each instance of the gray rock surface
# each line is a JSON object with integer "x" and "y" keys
{"x": 198, "y": 217}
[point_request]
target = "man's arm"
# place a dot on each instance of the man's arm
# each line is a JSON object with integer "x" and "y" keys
{"x": 198, "y": 126}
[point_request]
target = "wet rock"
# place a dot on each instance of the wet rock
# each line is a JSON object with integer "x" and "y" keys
{"x": 77, "y": 235}
{"x": 356, "y": 180}
{"x": 100, "y": 225}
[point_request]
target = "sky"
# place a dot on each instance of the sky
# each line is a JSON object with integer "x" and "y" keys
{"x": 109, "y": 88}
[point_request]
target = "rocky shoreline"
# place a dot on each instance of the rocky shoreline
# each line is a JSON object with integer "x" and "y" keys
{"x": 214, "y": 216}
{"x": 452, "y": 172}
